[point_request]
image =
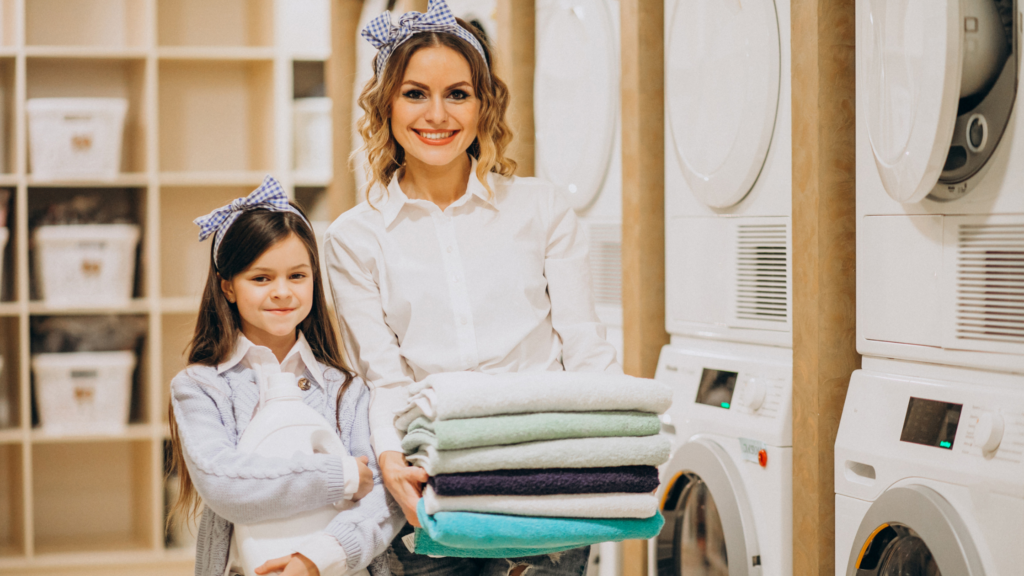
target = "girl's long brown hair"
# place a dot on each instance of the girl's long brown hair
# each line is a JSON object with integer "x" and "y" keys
{"x": 219, "y": 325}
{"x": 384, "y": 156}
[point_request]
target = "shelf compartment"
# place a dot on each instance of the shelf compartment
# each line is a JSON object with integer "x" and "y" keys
{"x": 216, "y": 116}
{"x": 179, "y": 535}
{"x": 227, "y": 53}
{"x": 177, "y": 333}
{"x": 221, "y": 23}
{"x": 124, "y": 180}
{"x": 7, "y": 99}
{"x": 104, "y": 505}
{"x": 107, "y": 23}
{"x": 184, "y": 261}
{"x": 10, "y": 392}
{"x": 98, "y": 78}
{"x": 132, "y": 432}
{"x": 12, "y": 498}
{"x": 131, "y": 207}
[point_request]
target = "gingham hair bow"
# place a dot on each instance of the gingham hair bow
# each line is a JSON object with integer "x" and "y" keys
{"x": 385, "y": 36}
{"x": 270, "y": 195}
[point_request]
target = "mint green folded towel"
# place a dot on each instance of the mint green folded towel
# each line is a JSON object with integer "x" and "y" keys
{"x": 519, "y": 428}
{"x": 424, "y": 544}
{"x": 489, "y": 533}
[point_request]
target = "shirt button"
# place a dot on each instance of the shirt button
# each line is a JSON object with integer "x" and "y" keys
{"x": 450, "y": 249}
{"x": 303, "y": 384}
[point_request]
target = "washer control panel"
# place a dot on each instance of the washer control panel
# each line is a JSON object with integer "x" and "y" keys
{"x": 995, "y": 432}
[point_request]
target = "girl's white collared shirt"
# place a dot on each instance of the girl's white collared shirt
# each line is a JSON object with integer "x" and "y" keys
{"x": 492, "y": 283}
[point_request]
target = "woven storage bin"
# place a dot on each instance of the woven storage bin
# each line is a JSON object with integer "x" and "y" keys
{"x": 85, "y": 265}
{"x": 83, "y": 392}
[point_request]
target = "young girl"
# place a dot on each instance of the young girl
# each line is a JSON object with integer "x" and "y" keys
{"x": 263, "y": 311}
{"x": 454, "y": 263}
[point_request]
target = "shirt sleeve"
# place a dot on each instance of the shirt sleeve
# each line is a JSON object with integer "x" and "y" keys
{"x": 369, "y": 342}
{"x": 326, "y": 553}
{"x": 573, "y": 313}
{"x": 240, "y": 487}
{"x": 351, "y": 468}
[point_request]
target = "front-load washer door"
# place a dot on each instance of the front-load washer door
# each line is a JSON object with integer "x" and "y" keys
{"x": 709, "y": 527}
{"x": 575, "y": 95}
{"x": 911, "y": 77}
{"x": 722, "y": 94}
{"x": 913, "y": 530}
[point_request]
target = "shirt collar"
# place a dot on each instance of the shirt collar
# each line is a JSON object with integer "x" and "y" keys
{"x": 244, "y": 346}
{"x": 396, "y": 198}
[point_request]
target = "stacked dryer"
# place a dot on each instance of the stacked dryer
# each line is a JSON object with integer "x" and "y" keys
{"x": 578, "y": 135}
{"x": 727, "y": 490}
{"x": 929, "y": 452}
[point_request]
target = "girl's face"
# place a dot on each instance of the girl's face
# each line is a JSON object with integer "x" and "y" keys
{"x": 435, "y": 114}
{"x": 275, "y": 293}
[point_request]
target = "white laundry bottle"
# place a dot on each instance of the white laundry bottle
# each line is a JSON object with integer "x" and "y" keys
{"x": 283, "y": 426}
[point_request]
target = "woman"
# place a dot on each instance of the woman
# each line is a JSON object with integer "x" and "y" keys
{"x": 453, "y": 263}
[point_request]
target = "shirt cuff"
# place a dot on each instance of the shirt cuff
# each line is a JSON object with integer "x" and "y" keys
{"x": 351, "y": 476}
{"x": 326, "y": 553}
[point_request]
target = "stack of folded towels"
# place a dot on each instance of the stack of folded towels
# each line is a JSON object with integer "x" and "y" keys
{"x": 534, "y": 463}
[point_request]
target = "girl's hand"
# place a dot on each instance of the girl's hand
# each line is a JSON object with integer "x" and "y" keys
{"x": 294, "y": 565}
{"x": 365, "y": 479}
{"x": 404, "y": 482}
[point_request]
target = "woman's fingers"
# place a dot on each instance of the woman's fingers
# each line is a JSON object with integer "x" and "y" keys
{"x": 275, "y": 565}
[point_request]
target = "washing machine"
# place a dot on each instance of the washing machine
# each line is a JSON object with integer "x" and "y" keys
{"x": 578, "y": 135}
{"x": 940, "y": 158}
{"x": 928, "y": 468}
{"x": 480, "y": 13}
{"x": 728, "y": 170}
{"x": 726, "y": 492}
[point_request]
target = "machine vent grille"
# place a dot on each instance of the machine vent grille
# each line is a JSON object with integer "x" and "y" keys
{"x": 606, "y": 262}
{"x": 762, "y": 275}
{"x": 990, "y": 282}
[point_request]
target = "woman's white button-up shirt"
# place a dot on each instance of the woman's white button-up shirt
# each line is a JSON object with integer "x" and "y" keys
{"x": 493, "y": 283}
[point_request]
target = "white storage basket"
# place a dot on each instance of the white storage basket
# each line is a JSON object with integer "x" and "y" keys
{"x": 76, "y": 137}
{"x": 83, "y": 392}
{"x": 314, "y": 139}
{"x": 85, "y": 265}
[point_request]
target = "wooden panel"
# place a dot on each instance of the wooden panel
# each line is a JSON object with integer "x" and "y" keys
{"x": 340, "y": 74}
{"x": 643, "y": 204}
{"x": 515, "y": 65}
{"x": 824, "y": 290}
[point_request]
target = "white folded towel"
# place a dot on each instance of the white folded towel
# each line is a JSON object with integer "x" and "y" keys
{"x": 613, "y": 505}
{"x": 567, "y": 453}
{"x": 452, "y": 395}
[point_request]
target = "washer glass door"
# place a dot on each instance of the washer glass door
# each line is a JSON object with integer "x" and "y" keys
{"x": 897, "y": 550}
{"x": 699, "y": 538}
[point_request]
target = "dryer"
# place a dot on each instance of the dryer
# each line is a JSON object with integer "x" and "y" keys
{"x": 726, "y": 492}
{"x": 578, "y": 136}
{"x": 480, "y": 13}
{"x": 940, "y": 158}
{"x": 928, "y": 468}
{"x": 728, "y": 166}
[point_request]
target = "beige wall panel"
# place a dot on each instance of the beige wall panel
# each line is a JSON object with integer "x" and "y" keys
{"x": 515, "y": 66}
{"x": 340, "y": 74}
{"x": 824, "y": 291}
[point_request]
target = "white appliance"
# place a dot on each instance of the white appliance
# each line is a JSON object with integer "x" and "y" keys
{"x": 728, "y": 170}
{"x": 940, "y": 158}
{"x": 928, "y": 472}
{"x": 578, "y": 135}
{"x": 726, "y": 492}
{"x": 478, "y": 12}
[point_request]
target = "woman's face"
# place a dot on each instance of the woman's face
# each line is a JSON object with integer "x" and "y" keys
{"x": 434, "y": 116}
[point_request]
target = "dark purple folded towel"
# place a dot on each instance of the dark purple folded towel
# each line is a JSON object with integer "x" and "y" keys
{"x": 549, "y": 481}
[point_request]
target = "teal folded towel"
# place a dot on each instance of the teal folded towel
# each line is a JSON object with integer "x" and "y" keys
{"x": 519, "y": 428}
{"x": 426, "y": 545}
{"x": 487, "y": 532}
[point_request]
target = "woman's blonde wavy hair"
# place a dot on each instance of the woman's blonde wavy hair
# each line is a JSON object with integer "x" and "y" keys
{"x": 385, "y": 156}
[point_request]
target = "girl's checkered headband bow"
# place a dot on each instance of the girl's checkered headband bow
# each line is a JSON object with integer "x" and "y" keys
{"x": 269, "y": 196}
{"x": 386, "y": 36}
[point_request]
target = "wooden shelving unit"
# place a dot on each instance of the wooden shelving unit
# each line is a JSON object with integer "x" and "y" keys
{"x": 209, "y": 85}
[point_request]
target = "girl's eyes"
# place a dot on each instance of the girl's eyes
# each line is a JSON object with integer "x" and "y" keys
{"x": 298, "y": 276}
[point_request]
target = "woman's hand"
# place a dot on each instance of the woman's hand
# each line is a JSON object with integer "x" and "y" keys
{"x": 404, "y": 482}
{"x": 294, "y": 565}
{"x": 365, "y": 479}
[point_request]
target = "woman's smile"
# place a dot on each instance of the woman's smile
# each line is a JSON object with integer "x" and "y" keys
{"x": 436, "y": 137}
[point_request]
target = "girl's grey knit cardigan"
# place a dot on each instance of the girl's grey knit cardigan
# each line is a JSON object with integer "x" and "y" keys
{"x": 212, "y": 410}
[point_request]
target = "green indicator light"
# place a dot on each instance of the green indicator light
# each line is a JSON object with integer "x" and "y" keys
{"x": 725, "y": 404}
{"x": 945, "y": 444}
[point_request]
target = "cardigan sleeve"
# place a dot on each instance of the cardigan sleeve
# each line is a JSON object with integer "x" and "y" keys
{"x": 573, "y": 314}
{"x": 240, "y": 487}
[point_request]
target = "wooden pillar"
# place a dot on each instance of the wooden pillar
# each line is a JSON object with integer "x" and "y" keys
{"x": 515, "y": 65}
{"x": 824, "y": 288}
{"x": 340, "y": 74}
{"x": 643, "y": 204}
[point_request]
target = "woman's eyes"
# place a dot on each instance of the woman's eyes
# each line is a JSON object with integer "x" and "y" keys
{"x": 414, "y": 94}
{"x": 459, "y": 95}
{"x": 419, "y": 95}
